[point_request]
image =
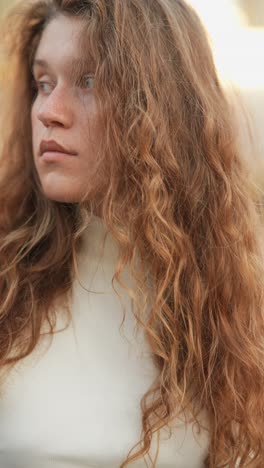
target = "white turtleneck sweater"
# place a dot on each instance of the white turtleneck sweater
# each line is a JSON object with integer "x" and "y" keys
{"x": 76, "y": 403}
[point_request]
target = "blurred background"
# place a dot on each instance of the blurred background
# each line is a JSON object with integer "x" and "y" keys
{"x": 236, "y": 31}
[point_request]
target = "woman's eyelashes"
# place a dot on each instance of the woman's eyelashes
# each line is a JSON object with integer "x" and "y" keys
{"x": 43, "y": 87}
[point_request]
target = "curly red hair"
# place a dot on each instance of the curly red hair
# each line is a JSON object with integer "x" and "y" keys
{"x": 180, "y": 195}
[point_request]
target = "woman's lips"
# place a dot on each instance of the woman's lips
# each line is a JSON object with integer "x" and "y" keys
{"x": 52, "y": 146}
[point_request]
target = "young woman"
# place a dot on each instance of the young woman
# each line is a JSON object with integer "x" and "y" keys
{"x": 132, "y": 277}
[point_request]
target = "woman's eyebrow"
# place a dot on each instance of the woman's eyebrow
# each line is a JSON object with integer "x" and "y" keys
{"x": 72, "y": 65}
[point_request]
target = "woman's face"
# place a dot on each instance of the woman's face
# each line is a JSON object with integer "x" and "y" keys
{"x": 65, "y": 112}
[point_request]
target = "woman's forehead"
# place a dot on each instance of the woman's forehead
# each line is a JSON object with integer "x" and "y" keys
{"x": 62, "y": 32}
{"x": 61, "y": 44}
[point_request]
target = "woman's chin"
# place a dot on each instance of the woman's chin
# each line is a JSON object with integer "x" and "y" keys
{"x": 63, "y": 196}
{"x": 70, "y": 191}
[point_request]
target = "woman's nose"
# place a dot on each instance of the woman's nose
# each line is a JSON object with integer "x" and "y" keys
{"x": 55, "y": 110}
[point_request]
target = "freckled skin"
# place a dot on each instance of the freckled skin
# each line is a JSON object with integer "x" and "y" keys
{"x": 65, "y": 113}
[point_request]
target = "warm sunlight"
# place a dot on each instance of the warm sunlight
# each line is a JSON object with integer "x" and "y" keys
{"x": 236, "y": 29}
{"x": 238, "y": 47}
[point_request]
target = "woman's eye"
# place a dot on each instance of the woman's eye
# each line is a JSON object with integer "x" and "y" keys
{"x": 42, "y": 86}
{"x": 87, "y": 81}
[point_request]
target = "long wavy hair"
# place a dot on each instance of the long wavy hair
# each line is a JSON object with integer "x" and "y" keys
{"x": 180, "y": 195}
